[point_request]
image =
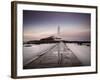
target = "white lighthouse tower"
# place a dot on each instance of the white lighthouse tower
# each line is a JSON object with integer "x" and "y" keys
{"x": 58, "y": 32}
{"x": 58, "y": 38}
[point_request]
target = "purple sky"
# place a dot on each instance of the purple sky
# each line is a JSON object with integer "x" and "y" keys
{"x": 41, "y": 24}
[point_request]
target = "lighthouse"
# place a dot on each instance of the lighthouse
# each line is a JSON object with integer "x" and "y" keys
{"x": 58, "y": 38}
{"x": 58, "y": 32}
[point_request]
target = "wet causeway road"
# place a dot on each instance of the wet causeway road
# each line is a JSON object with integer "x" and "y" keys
{"x": 58, "y": 55}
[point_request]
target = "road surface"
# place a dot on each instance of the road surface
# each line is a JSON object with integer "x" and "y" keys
{"x": 58, "y": 55}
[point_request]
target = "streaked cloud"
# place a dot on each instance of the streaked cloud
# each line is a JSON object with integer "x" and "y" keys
{"x": 40, "y": 24}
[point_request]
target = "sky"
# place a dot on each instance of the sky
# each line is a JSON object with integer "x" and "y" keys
{"x": 42, "y": 24}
